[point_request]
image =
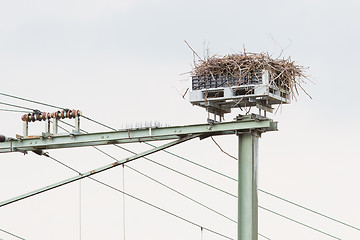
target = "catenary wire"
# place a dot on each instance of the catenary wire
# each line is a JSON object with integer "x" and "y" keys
{"x": 17, "y": 106}
{"x": 11, "y": 110}
{"x": 143, "y": 201}
{"x": 9, "y": 233}
{"x": 263, "y": 236}
{"x": 29, "y": 100}
{"x": 308, "y": 209}
{"x": 161, "y": 209}
{"x": 305, "y": 225}
{"x": 24, "y": 99}
{"x": 195, "y": 163}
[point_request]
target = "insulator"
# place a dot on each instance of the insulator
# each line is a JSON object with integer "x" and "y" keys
{"x": 68, "y": 115}
{"x": 24, "y": 117}
{"x": 62, "y": 114}
{"x": 44, "y": 115}
{"x": 73, "y": 113}
{"x": 2, "y": 138}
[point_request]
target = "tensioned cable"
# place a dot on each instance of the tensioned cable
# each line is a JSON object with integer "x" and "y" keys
{"x": 315, "y": 229}
{"x": 195, "y": 163}
{"x": 24, "y": 99}
{"x": 143, "y": 201}
{"x": 308, "y": 209}
{"x": 17, "y": 106}
{"x": 11, "y": 110}
{"x": 161, "y": 209}
{"x": 2, "y": 230}
{"x": 28, "y": 100}
{"x": 263, "y": 236}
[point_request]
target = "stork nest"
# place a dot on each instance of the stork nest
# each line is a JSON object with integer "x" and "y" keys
{"x": 284, "y": 73}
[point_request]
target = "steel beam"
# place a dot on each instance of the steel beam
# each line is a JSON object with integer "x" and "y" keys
{"x": 247, "y": 186}
{"x": 136, "y": 135}
{"x": 98, "y": 170}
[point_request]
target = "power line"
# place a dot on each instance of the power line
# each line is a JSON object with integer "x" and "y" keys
{"x": 308, "y": 209}
{"x": 32, "y": 101}
{"x": 145, "y": 202}
{"x": 315, "y": 229}
{"x": 263, "y": 236}
{"x": 2, "y": 230}
{"x": 11, "y": 110}
{"x": 17, "y": 106}
{"x": 163, "y": 210}
{"x": 195, "y": 163}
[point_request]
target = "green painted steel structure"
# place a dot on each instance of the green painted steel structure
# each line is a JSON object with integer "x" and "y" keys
{"x": 248, "y": 128}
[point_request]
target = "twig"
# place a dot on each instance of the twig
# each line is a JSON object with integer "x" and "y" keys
{"x": 222, "y": 149}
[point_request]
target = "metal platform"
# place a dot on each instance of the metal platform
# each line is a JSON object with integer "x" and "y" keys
{"x": 218, "y": 94}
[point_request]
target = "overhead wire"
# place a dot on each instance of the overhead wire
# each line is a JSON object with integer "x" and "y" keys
{"x": 145, "y": 202}
{"x": 305, "y": 225}
{"x": 163, "y": 210}
{"x": 263, "y": 236}
{"x": 11, "y": 110}
{"x": 221, "y": 174}
{"x": 17, "y": 106}
{"x": 29, "y": 100}
{"x": 9, "y": 233}
{"x": 308, "y": 209}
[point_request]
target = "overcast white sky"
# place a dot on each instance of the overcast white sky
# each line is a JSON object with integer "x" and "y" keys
{"x": 121, "y": 62}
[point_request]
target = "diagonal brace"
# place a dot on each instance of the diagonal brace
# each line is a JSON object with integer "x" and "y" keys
{"x": 98, "y": 170}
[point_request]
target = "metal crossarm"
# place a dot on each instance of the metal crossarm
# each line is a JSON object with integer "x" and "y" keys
{"x": 136, "y": 135}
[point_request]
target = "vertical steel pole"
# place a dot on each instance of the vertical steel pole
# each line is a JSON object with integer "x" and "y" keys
{"x": 247, "y": 186}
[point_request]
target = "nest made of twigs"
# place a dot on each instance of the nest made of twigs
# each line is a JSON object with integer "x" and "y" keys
{"x": 284, "y": 73}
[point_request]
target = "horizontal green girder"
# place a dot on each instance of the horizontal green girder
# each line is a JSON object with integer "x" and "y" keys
{"x": 135, "y": 135}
